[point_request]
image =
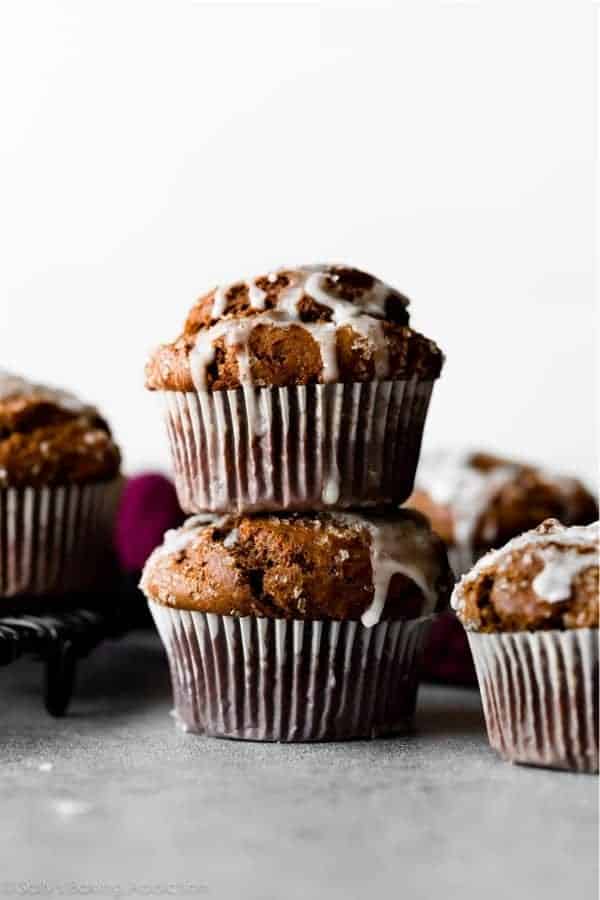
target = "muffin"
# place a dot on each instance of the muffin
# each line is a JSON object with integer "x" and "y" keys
{"x": 59, "y": 478}
{"x": 297, "y": 627}
{"x": 302, "y": 389}
{"x": 531, "y": 613}
{"x": 475, "y": 502}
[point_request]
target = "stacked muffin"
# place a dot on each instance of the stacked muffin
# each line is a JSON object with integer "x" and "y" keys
{"x": 290, "y": 400}
{"x": 59, "y": 485}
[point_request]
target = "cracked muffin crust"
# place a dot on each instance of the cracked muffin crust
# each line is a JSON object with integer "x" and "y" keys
{"x": 543, "y": 579}
{"x": 297, "y": 326}
{"x": 48, "y": 437}
{"x": 336, "y": 566}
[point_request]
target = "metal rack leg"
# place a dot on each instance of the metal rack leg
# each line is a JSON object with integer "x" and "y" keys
{"x": 60, "y": 677}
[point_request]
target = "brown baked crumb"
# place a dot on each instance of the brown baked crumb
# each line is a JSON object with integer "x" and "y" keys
{"x": 297, "y": 566}
{"x": 47, "y": 438}
{"x": 341, "y": 281}
{"x": 501, "y": 592}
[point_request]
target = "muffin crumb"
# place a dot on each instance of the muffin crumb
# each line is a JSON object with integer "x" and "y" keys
{"x": 48, "y": 437}
{"x": 546, "y": 578}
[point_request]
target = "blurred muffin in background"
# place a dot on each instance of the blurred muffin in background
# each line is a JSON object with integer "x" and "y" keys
{"x": 59, "y": 484}
{"x": 476, "y": 502}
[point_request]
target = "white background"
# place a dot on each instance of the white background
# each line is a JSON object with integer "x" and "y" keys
{"x": 152, "y": 149}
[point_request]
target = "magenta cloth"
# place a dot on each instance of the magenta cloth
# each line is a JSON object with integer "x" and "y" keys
{"x": 447, "y": 657}
{"x": 148, "y": 507}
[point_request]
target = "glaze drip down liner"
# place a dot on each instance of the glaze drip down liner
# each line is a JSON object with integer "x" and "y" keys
{"x": 297, "y": 448}
{"x": 289, "y": 680}
{"x": 540, "y": 696}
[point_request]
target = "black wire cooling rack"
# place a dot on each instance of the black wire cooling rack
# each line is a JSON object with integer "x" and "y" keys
{"x": 59, "y": 639}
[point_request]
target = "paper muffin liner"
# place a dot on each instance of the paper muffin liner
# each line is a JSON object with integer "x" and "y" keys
{"x": 55, "y": 539}
{"x": 540, "y": 696}
{"x": 279, "y": 680}
{"x": 295, "y": 448}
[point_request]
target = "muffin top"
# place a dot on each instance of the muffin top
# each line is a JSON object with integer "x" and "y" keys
{"x": 307, "y": 325}
{"x": 323, "y": 566}
{"x": 545, "y": 578}
{"x": 481, "y": 501}
{"x": 48, "y": 437}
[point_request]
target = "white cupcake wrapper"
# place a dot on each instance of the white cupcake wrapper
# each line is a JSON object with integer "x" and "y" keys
{"x": 278, "y": 680}
{"x": 53, "y": 540}
{"x": 540, "y": 696}
{"x": 296, "y": 448}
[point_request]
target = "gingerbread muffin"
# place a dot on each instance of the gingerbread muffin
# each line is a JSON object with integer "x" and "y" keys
{"x": 297, "y": 627}
{"x": 301, "y": 389}
{"x": 59, "y": 478}
{"x": 531, "y": 612}
{"x": 475, "y": 502}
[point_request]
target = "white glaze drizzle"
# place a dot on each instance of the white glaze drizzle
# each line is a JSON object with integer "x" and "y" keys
{"x": 177, "y": 539}
{"x": 555, "y": 580}
{"x": 398, "y": 546}
{"x": 371, "y": 302}
{"x": 232, "y": 538}
{"x": 331, "y": 490}
{"x": 16, "y": 386}
{"x": 219, "y": 302}
{"x": 256, "y": 296}
{"x": 309, "y": 281}
{"x": 325, "y": 335}
{"x": 450, "y": 479}
{"x": 563, "y": 551}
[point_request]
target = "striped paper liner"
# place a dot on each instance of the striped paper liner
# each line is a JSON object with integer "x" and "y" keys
{"x": 307, "y": 447}
{"x": 279, "y": 680}
{"x": 540, "y": 696}
{"x": 54, "y": 540}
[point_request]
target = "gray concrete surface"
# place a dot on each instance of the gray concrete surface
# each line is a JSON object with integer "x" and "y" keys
{"x": 114, "y": 801}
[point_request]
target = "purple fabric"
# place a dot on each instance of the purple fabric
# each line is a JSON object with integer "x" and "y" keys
{"x": 148, "y": 507}
{"x": 447, "y": 656}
